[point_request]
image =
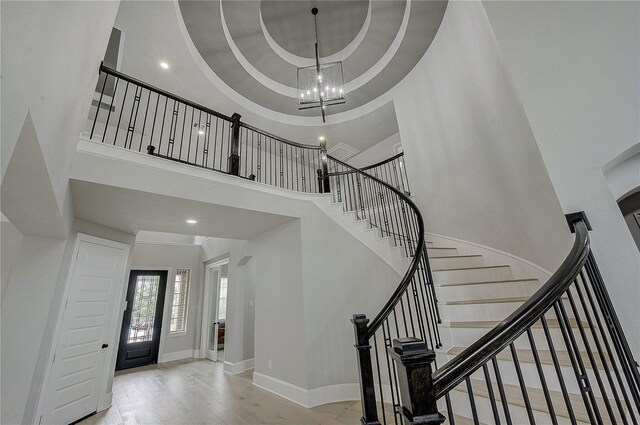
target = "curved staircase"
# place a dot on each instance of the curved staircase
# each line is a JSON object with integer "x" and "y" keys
{"x": 510, "y": 348}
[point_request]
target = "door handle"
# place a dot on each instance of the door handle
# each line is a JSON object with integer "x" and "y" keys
{"x": 105, "y": 345}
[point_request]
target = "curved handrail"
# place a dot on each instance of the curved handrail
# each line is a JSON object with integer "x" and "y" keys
{"x": 150, "y": 87}
{"x": 281, "y": 139}
{"x": 384, "y": 161}
{"x": 393, "y": 301}
{"x": 458, "y": 369}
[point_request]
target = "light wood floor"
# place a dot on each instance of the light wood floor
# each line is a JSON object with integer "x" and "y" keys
{"x": 198, "y": 392}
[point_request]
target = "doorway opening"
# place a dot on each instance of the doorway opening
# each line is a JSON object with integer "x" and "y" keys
{"x": 142, "y": 321}
{"x": 215, "y": 310}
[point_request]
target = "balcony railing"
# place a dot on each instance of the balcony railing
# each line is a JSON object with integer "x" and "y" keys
{"x": 131, "y": 114}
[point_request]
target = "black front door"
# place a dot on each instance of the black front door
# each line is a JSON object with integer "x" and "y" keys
{"x": 142, "y": 322}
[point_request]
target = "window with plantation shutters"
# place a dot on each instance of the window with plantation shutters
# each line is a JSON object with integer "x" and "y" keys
{"x": 180, "y": 301}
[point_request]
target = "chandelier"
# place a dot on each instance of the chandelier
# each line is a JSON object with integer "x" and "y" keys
{"x": 320, "y": 85}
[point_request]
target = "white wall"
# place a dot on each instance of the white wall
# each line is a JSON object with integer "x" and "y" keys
{"x": 172, "y": 257}
{"x": 472, "y": 161}
{"x": 623, "y": 177}
{"x": 248, "y": 276}
{"x": 40, "y": 76}
{"x": 239, "y": 326}
{"x": 10, "y": 240}
{"x": 309, "y": 341}
{"x": 341, "y": 277}
{"x": 31, "y": 293}
{"x": 576, "y": 67}
{"x": 280, "y": 349}
{"x": 45, "y": 90}
{"x": 376, "y": 153}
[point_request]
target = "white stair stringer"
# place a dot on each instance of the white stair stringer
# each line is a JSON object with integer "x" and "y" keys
{"x": 365, "y": 234}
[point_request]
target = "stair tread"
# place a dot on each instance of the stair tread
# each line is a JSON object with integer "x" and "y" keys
{"x": 526, "y": 356}
{"x": 490, "y": 281}
{"x": 536, "y": 397}
{"x": 455, "y": 256}
{"x": 490, "y": 324}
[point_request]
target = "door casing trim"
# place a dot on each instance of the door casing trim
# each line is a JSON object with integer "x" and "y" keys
{"x": 206, "y": 311}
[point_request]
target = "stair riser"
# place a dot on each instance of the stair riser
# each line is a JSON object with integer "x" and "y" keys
{"x": 464, "y": 337}
{"x": 470, "y": 312}
{"x": 497, "y": 311}
{"x": 460, "y": 402}
{"x": 439, "y": 252}
{"x": 444, "y": 277}
{"x": 488, "y": 290}
{"x": 456, "y": 262}
{"x": 532, "y": 380}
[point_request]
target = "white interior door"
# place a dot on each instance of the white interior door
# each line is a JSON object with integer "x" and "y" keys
{"x": 85, "y": 337}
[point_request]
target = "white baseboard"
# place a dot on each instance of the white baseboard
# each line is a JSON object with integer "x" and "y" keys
{"x": 307, "y": 398}
{"x": 176, "y": 355}
{"x": 517, "y": 263}
{"x": 235, "y": 368}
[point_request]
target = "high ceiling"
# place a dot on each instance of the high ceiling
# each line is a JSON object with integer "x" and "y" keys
{"x": 242, "y": 56}
{"x": 264, "y": 42}
{"x": 291, "y": 24}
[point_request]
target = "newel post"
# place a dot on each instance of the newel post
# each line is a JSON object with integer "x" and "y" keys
{"x": 233, "y": 164}
{"x": 365, "y": 369}
{"x": 575, "y": 217}
{"x": 417, "y": 396}
{"x": 325, "y": 187}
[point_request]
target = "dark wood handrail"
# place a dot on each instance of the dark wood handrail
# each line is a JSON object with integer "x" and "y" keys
{"x": 386, "y": 310}
{"x": 464, "y": 364}
{"x": 368, "y": 167}
{"x": 165, "y": 93}
{"x": 396, "y": 156}
{"x": 210, "y": 111}
{"x": 273, "y": 136}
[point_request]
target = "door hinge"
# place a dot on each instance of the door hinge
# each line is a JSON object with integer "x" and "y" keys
{"x": 54, "y": 359}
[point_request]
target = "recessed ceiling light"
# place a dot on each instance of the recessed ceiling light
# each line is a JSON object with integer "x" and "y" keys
{"x": 192, "y": 221}
{"x": 321, "y": 138}
{"x": 164, "y": 65}
{"x": 201, "y": 132}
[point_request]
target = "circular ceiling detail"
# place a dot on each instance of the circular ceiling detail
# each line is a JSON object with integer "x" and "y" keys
{"x": 254, "y": 47}
{"x": 291, "y": 24}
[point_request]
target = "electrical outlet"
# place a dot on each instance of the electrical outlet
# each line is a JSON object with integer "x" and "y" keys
{"x": 270, "y": 365}
{"x": 251, "y": 304}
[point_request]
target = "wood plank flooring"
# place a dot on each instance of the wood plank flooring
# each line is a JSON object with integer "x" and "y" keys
{"x": 198, "y": 392}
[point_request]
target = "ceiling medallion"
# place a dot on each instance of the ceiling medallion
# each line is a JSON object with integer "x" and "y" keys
{"x": 320, "y": 85}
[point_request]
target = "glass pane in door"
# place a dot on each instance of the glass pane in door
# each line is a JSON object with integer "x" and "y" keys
{"x": 222, "y": 304}
{"x": 144, "y": 309}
